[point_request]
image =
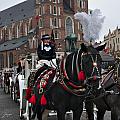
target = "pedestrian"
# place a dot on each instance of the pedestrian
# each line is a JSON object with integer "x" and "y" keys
{"x": 19, "y": 68}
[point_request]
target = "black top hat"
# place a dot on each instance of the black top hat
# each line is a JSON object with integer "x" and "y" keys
{"x": 46, "y": 36}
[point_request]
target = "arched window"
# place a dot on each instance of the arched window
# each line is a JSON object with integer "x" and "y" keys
{"x": 110, "y": 46}
{"x": 55, "y": 22}
{"x": 21, "y": 28}
{"x": 56, "y": 35}
{"x": 13, "y": 31}
{"x": 41, "y": 11}
{"x": 68, "y": 3}
{"x": 117, "y": 47}
{"x": 40, "y": 22}
{"x": 30, "y": 24}
{"x": 69, "y": 26}
{"x": 54, "y": 1}
{"x": 54, "y": 10}
{"x": 1, "y": 61}
{"x": 80, "y": 4}
{"x": 11, "y": 59}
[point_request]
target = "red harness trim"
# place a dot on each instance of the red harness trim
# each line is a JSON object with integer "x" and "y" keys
{"x": 72, "y": 91}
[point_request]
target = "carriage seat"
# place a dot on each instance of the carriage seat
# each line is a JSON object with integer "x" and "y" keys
{"x": 43, "y": 80}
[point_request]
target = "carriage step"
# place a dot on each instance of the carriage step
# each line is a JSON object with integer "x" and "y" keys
{"x": 53, "y": 113}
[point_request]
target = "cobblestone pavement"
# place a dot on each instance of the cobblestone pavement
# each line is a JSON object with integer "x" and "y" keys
{"x": 9, "y": 110}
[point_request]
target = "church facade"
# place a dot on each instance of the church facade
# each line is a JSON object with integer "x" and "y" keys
{"x": 22, "y": 26}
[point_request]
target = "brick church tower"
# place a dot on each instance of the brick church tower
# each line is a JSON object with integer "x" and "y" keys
{"x": 59, "y": 16}
{"x": 19, "y": 36}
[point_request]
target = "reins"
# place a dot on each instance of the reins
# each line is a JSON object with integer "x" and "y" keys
{"x": 74, "y": 92}
{"x": 102, "y": 92}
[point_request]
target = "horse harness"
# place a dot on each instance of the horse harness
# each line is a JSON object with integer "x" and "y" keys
{"x": 107, "y": 78}
{"x": 78, "y": 90}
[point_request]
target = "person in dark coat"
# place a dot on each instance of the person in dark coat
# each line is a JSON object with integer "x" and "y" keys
{"x": 47, "y": 58}
{"x": 19, "y": 68}
{"x": 46, "y": 49}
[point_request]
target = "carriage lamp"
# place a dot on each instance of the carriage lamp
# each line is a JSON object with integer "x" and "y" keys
{"x": 95, "y": 64}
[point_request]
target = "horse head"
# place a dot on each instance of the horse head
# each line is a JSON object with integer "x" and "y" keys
{"x": 83, "y": 67}
{"x": 90, "y": 63}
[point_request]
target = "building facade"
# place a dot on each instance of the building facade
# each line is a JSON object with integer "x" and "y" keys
{"x": 113, "y": 42}
{"x": 22, "y": 26}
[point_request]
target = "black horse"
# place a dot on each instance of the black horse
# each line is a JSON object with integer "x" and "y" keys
{"x": 80, "y": 74}
{"x": 108, "y": 98}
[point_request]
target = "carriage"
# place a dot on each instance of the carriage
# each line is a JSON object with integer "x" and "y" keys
{"x": 27, "y": 111}
{"x": 25, "y": 106}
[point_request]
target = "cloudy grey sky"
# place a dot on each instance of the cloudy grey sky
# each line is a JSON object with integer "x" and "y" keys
{"x": 109, "y": 8}
{"x": 8, "y": 3}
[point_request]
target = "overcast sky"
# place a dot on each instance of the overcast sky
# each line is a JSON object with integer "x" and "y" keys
{"x": 109, "y": 8}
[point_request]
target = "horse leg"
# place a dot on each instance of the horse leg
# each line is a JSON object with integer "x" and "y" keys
{"x": 89, "y": 109}
{"x": 77, "y": 113}
{"x": 100, "y": 114}
{"x": 61, "y": 114}
{"x": 39, "y": 113}
{"x": 115, "y": 113}
{"x": 45, "y": 114}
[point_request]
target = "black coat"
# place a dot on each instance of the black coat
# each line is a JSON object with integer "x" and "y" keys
{"x": 44, "y": 54}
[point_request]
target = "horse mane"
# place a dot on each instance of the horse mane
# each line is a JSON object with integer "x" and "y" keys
{"x": 70, "y": 66}
{"x": 73, "y": 64}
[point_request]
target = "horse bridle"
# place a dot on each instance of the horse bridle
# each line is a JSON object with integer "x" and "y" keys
{"x": 81, "y": 66}
{"x": 94, "y": 65}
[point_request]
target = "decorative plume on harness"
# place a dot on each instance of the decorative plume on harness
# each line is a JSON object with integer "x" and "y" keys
{"x": 91, "y": 24}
